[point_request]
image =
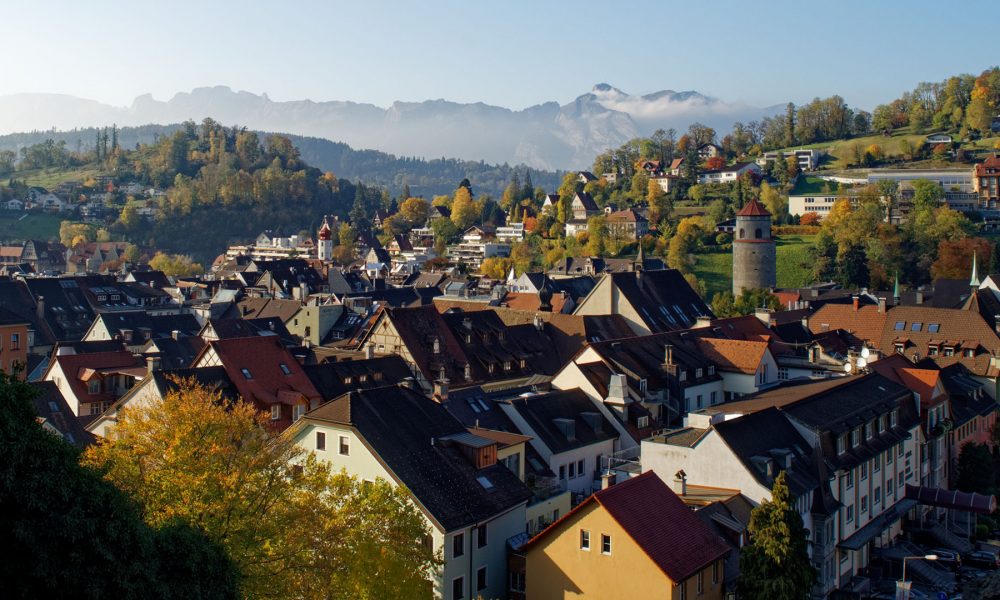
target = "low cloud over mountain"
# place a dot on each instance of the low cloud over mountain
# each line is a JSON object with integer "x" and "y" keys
{"x": 546, "y": 136}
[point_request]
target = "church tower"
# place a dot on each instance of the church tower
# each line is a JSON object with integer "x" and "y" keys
{"x": 324, "y": 250}
{"x": 755, "y": 262}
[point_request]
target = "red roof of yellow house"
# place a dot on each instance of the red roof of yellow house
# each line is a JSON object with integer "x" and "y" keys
{"x": 659, "y": 522}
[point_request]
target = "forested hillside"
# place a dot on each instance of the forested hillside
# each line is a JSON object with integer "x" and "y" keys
{"x": 424, "y": 177}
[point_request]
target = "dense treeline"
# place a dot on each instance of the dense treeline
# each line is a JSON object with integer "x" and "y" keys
{"x": 965, "y": 104}
{"x": 424, "y": 177}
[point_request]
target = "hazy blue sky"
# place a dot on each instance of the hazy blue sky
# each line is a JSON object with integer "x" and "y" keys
{"x": 512, "y": 53}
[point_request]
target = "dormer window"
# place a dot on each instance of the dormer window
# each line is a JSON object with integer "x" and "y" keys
{"x": 842, "y": 443}
{"x": 893, "y": 417}
{"x": 932, "y": 350}
{"x": 348, "y": 380}
{"x": 642, "y": 422}
{"x": 506, "y": 365}
{"x": 899, "y": 347}
{"x": 855, "y": 437}
{"x": 881, "y": 423}
{"x": 968, "y": 352}
{"x": 682, "y": 376}
{"x": 642, "y": 387}
{"x": 94, "y": 386}
{"x": 711, "y": 370}
{"x": 699, "y": 373}
{"x": 949, "y": 351}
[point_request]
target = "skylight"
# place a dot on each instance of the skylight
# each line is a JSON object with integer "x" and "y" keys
{"x": 285, "y": 369}
{"x": 900, "y": 325}
{"x": 933, "y": 327}
{"x": 916, "y": 326}
{"x": 483, "y": 481}
{"x": 246, "y": 373}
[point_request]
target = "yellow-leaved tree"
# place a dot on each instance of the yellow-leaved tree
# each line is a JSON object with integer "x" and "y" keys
{"x": 293, "y": 528}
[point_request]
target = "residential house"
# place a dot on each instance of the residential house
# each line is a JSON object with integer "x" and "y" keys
{"x": 986, "y": 182}
{"x": 472, "y": 503}
{"x": 265, "y": 374}
{"x": 651, "y": 301}
{"x": 627, "y": 225}
{"x": 728, "y": 174}
{"x": 585, "y": 177}
{"x": 582, "y": 208}
{"x": 707, "y": 151}
{"x": 55, "y": 416}
{"x": 635, "y": 539}
{"x": 136, "y": 328}
{"x": 596, "y": 265}
{"x": 14, "y": 343}
{"x": 91, "y": 382}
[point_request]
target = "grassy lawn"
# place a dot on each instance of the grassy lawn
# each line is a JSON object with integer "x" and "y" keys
{"x": 715, "y": 271}
{"x": 50, "y": 178}
{"x": 17, "y": 226}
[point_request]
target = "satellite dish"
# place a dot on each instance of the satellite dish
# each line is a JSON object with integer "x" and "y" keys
{"x": 848, "y": 367}
{"x": 865, "y": 353}
{"x": 862, "y": 363}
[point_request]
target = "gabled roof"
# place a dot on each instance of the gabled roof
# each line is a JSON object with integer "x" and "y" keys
{"x": 586, "y": 200}
{"x": 140, "y": 322}
{"x": 175, "y": 353}
{"x": 659, "y": 523}
{"x": 963, "y": 329}
{"x": 542, "y": 411}
{"x": 78, "y": 367}
{"x": 866, "y": 323}
{"x": 52, "y": 407}
{"x": 663, "y": 299}
{"x": 734, "y": 355}
{"x": 406, "y": 431}
{"x": 333, "y": 379}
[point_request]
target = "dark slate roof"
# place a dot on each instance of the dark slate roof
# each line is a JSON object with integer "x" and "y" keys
{"x": 213, "y": 378}
{"x": 541, "y": 411}
{"x": 659, "y": 522}
{"x": 487, "y": 342}
{"x": 140, "y": 323}
{"x": 334, "y": 379}
{"x": 663, "y": 299}
{"x": 399, "y": 296}
{"x": 51, "y": 406}
{"x": 175, "y": 353}
{"x": 239, "y": 328}
{"x": 744, "y": 438}
{"x": 597, "y": 265}
{"x": 67, "y": 314}
{"x": 151, "y": 278}
{"x": 643, "y": 357}
{"x": 405, "y": 430}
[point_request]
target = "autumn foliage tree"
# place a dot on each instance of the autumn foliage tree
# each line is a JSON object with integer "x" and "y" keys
{"x": 293, "y": 528}
{"x": 954, "y": 259}
{"x": 715, "y": 162}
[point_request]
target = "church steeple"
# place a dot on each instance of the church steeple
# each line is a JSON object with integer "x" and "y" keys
{"x": 895, "y": 290}
{"x": 974, "y": 280}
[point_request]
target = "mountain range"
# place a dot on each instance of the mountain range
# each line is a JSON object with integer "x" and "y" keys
{"x": 546, "y": 136}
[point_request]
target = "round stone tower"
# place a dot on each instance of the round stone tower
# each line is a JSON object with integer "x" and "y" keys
{"x": 755, "y": 262}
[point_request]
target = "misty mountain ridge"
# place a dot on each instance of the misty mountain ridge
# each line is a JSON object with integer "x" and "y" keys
{"x": 545, "y": 136}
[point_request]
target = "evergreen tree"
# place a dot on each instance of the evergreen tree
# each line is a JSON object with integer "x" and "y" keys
{"x": 528, "y": 191}
{"x": 775, "y": 565}
{"x": 97, "y": 144}
{"x": 114, "y": 137}
{"x": 789, "y": 125}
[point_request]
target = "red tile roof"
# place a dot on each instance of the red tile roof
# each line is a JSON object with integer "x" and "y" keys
{"x": 738, "y": 356}
{"x": 965, "y": 326}
{"x": 866, "y": 323}
{"x": 753, "y": 209}
{"x": 660, "y": 524}
{"x": 268, "y": 384}
{"x": 78, "y": 368}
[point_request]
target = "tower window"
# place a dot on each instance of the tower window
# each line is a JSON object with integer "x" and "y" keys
{"x": 743, "y": 233}
{"x": 758, "y": 234}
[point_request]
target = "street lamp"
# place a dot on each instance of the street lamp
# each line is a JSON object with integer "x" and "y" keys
{"x": 905, "y": 589}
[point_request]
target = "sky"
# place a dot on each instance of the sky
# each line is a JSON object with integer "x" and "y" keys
{"x": 511, "y": 53}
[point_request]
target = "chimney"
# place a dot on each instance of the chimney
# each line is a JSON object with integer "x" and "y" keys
{"x": 881, "y": 305}
{"x": 919, "y": 297}
{"x": 856, "y": 301}
{"x": 617, "y": 392}
{"x": 152, "y": 364}
{"x": 407, "y": 382}
{"x": 441, "y": 391}
{"x": 702, "y": 322}
{"x": 467, "y": 323}
{"x": 175, "y": 334}
{"x": 40, "y": 307}
{"x": 539, "y": 324}
{"x": 681, "y": 479}
{"x": 370, "y": 351}
{"x": 668, "y": 359}
{"x": 763, "y": 315}
{"x": 608, "y": 479}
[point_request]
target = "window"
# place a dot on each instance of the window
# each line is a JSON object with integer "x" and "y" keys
{"x": 850, "y": 513}
{"x": 284, "y": 369}
{"x": 682, "y": 376}
{"x": 481, "y": 540}
{"x": 15, "y": 341}
{"x": 642, "y": 422}
{"x": 698, "y": 399}
{"x": 712, "y": 398}
{"x": 562, "y": 472}
{"x": 572, "y": 470}
{"x": 94, "y": 386}
{"x": 458, "y": 588}
{"x": 458, "y": 545}
{"x": 698, "y": 373}
{"x": 877, "y": 461}
{"x": 888, "y": 457}
{"x": 246, "y": 373}
{"x": 900, "y": 326}
{"x": 868, "y": 431}
{"x": 481, "y": 579}
{"x": 517, "y": 581}
{"x": 681, "y": 590}
{"x": 881, "y": 423}
{"x": 701, "y": 583}
{"x": 864, "y": 503}
{"x": 584, "y": 539}
{"x": 916, "y": 326}
{"x": 877, "y": 496}
{"x": 849, "y": 479}
{"x": 893, "y": 416}
{"x": 933, "y": 327}
{"x": 715, "y": 572}
{"x": 605, "y": 543}
{"x": 889, "y": 488}
{"x": 275, "y": 412}
{"x": 320, "y": 440}
{"x": 841, "y": 443}
{"x": 345, "y": 445}
{"x": 864, "y": 470}
{"x": 297, "y": 411}
{"x": 855, "y": 435}
{"x": 579, "y": 468}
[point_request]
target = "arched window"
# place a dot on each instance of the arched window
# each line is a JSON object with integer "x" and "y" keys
{"x": 758, "y": 234}
{"x": 743, "y": 234}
